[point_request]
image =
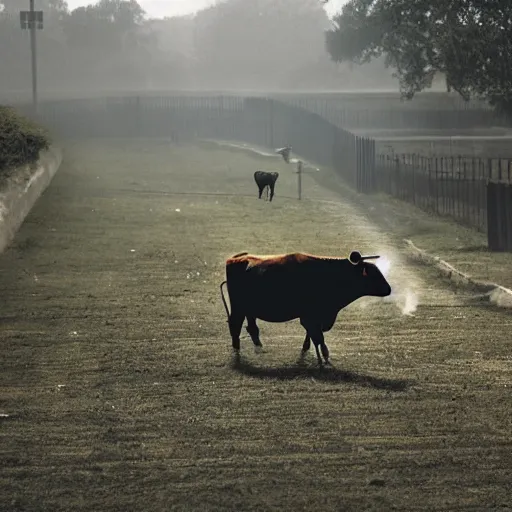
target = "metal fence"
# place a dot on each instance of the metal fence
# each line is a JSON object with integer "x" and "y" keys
{"x": 352, "y": 111}
{"x": 448, "y": 186}
{"x": 378, "y": 111}
{"x": 257, "y": 120}
{"x": 453, "y": 186}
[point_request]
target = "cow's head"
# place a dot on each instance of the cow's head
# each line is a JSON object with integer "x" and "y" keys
{"x": 368, "y": 274}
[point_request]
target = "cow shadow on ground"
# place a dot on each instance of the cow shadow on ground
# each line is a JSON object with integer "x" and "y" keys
{"x": 327, "y": 373}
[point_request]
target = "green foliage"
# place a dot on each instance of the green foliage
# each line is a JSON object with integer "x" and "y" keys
{"x": 468, "y": 41}
{"x": 21, "y": 140}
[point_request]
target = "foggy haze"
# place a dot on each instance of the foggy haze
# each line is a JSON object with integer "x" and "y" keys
{"x": 160, "y": 8}
{"x": 236, "y": 45}
{"x": 169, "y": 8}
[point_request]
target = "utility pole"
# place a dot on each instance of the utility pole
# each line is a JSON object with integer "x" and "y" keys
{"x": 32, "y": 20}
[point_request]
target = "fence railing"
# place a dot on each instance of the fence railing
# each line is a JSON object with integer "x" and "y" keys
{"x": 434, "y": 187}
{"x": 376, "y": 112}
{"x": 447, "y": 186}
{"x": 468, "y": 167}
{"x": 459, "y": 187}
{"x": 257, "y": 120}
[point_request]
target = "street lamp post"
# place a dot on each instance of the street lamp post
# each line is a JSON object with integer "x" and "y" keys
{"x": 32, "y": 20}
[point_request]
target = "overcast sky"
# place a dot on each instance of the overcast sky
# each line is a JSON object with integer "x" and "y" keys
{"x": 161, "y": 8}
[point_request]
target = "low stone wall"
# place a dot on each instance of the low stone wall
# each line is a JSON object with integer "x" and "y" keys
{"x": 23, "y": 188}
{"x": 495, "y": 293}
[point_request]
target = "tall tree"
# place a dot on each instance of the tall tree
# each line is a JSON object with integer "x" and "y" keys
{"x": 469, "y": 41}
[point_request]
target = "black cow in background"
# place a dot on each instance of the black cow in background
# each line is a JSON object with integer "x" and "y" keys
{"x": 266, "y": 179}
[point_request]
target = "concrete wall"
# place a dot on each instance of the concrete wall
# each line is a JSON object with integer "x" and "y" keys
{"x": 23, "y": 188}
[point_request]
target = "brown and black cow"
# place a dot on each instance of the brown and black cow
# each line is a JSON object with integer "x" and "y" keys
{"x": 285, "y": 287}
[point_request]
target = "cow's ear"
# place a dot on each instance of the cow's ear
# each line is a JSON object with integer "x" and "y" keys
{"x": 355, "y": 257}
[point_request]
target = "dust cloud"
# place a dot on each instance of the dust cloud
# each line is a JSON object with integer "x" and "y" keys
{"x": 405, "y": 295}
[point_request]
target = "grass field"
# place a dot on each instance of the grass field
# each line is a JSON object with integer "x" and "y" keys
{"x": 121, "y": 391}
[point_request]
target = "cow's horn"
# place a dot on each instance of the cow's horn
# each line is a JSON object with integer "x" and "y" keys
{"x": 374, "y": 257}
{"x": 355, "y": 257}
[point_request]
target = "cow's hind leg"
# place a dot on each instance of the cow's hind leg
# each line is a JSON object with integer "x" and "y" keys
{"x": 254, "y": 331}
{"x": 236, "y": 321}
{"x": 271, "y": 191}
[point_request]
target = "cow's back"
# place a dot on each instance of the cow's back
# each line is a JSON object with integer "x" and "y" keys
{"x": 273, "y": 288}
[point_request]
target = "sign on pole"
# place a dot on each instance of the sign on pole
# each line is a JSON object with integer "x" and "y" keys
{"x": 32, "y": 20}
{"x": 27, "y": 17}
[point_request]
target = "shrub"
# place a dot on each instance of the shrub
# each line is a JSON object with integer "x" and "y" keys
{"x": 21, "y": 140}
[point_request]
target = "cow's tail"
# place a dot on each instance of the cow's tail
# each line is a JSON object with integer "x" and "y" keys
{"x": 223, "y": 299}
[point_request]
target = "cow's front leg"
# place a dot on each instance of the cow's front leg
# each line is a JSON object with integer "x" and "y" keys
{"x": 314, "y": 331}
{"x": 325, "y": 350}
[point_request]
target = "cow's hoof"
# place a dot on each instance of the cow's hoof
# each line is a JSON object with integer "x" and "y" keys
{"x": 258, "y": 349}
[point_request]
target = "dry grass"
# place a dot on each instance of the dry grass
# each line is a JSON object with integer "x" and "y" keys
{"x": 120, "y": 385}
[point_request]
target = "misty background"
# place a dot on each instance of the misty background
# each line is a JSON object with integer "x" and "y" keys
{"x": 233, "y": 45}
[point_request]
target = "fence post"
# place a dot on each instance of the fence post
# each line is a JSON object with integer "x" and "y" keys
{"x": 492, "y": 207}
{"x": 452, "y": 188}
{"x": 429, "y": 188}
{"x": 474, "y": 204}
{"x": 498, "y": 217}
{"x": 437, "y": 184}
{"x": 364, "y": 177}
{"x": 508, "y": 215}
{"x": 465, "y": 193}
{"x": 400, "y": 159}
{"x": 299, "y": 179}
{"x": 358, "y": 163}
{"x": 415, "y": 164}
{"x": 270, "y": 143}
{"x": 373, "y": 185}
{"x": 403, "y": 191}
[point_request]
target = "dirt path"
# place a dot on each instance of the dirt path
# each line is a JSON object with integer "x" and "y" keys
{"x": 122, "y": 394}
